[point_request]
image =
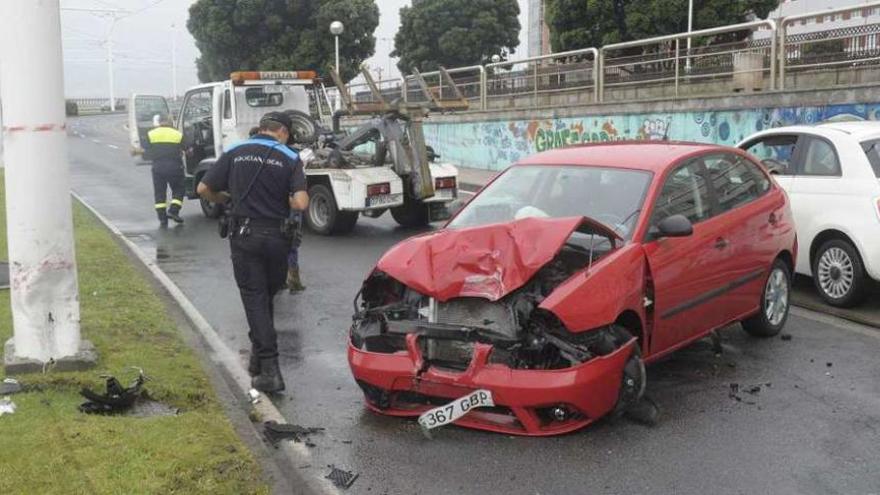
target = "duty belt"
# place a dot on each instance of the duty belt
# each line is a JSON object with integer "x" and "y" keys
{"x": 259, "y": 223}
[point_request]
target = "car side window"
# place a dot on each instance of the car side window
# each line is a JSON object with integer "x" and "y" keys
{"x": 684, "y": 193}
{"x": 227, "y": 105}
{"x": 197, "y": 107}
{"x": 820, "y": 159}
{"x": 775, "y": 152}
{"x": 736, "y": 181}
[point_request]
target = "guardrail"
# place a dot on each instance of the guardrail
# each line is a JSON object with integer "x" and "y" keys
{"x": 700, "y": 63}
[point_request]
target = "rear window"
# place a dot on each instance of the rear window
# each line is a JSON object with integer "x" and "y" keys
{"x": 261, "y": 97}
{"x": 872, "y": 150}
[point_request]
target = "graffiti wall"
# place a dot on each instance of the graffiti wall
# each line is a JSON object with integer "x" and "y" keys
{"x": 494, "y": 145}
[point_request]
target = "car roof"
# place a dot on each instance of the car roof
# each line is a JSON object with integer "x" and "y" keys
{"x": 654, "y": 156}
{"x": 858, "y": 130}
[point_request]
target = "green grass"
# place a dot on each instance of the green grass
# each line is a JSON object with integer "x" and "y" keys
{"x": 48, "y": 446}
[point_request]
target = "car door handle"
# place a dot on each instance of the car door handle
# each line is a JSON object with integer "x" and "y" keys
{"x": 721, "y": 243}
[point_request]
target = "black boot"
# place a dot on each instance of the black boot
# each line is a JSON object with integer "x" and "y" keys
{"x": 254, "y": 363}
{"x": 163, "y": 217}
{"x": 269, "y": 380}
{"x": 174, "y": 214}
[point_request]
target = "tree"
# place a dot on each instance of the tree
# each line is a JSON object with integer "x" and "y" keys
{"x": 578, "y": 24}
{"x": 280, "y": 35}
{"x": 455, "y": 33}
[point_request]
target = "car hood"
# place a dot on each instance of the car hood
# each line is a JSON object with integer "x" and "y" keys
{"x": 489, "y": 261}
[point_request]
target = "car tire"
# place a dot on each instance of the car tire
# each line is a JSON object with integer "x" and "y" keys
{"x": 839, "y": 274}
{"x": 305, "y": 129}
{"x": 634, "y": 379}
{"x": 211, "y": 210}
{"x": 775, "y": 303}
{"x": 411, "y": 214}
{"x": 323, "y": 216}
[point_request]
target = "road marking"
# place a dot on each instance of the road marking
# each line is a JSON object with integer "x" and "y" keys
{"x": 113, "y": 146}
{"x": 837, "y": 322}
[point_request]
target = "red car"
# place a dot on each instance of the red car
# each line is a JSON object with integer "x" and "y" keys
{"x": 534, "y": 311}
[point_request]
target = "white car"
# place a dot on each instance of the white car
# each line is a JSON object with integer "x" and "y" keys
{"x": 831, "y": 173}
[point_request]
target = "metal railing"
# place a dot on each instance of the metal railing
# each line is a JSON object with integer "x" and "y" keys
{"x": 672, "y": 63}
{"x": 796, "y": 54}
{"x": 545, "y": 74}
{"x": 718, "y": 62}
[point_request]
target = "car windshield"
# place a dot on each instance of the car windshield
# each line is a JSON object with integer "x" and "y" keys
{"x": 610, "y": 195}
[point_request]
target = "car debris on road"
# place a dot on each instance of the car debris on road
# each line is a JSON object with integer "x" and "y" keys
{"x": 116, "y": 398}
{"x": 341, "y": 478}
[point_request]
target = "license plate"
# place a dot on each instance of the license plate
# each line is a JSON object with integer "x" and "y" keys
{"x": 444, "y": 194}
{"x": 444, "y": 415}
{"x": 383, "y": 200}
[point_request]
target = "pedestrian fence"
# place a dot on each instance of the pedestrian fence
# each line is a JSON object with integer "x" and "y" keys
{"x": 756, "y": 56}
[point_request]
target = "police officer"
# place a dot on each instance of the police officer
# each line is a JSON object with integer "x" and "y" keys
{"x": 164, "y": 148}
{"x": 264, "y": 179}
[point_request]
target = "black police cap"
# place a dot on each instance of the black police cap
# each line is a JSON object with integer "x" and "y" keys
{"x": 278, "y": 117}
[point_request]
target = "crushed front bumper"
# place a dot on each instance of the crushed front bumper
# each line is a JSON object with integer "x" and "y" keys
{"x": 403, "y": 384}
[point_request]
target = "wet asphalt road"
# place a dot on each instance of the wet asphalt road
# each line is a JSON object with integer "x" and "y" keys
{"x": 813, "y": 428}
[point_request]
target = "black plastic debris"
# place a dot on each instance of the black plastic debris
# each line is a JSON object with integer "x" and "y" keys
{"x": 10, "y": 386}
{"x": 4, "y": 275}
{"x": 829, "y": 364}
{"x": 644, "y": 412}
{"x": 785, "y": 336}
{"x": 116, "y": 398}
{"x": 340, "y": 478}
{"x": 275, "y": 432}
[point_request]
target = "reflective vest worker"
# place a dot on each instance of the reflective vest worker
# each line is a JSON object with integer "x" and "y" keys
{"x": 164, "y": 147}
{"x": 264, "y": 179}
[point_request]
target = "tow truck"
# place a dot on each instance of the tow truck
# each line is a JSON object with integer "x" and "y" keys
{"x": 348, "y": 177}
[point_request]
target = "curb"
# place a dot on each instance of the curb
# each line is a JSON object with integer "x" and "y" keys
{"x": 296, "y": 453}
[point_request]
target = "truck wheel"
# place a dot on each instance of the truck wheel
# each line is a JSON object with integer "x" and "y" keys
{"x": 411, "y": 214}
{"x": 211, "y": 210}
{"x": 324, "y": 216}
{"x": 304, "y": 128}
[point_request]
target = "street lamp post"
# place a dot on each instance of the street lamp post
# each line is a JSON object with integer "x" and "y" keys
{"x": 44, "y": 293}
{"x": 687, "y": 63}
{"x": 336, "y": 28}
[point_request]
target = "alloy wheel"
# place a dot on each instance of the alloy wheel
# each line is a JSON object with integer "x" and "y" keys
{"x": 835, "y": 272}
{"x": 776, "y": 297}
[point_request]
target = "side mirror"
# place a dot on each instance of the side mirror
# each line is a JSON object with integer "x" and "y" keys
{"x": 673, "y": 226}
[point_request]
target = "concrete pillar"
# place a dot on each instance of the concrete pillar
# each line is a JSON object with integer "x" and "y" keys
{"x": 45, "y": 300}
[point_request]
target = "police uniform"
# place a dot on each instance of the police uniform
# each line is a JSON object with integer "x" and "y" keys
{"x": 260, "y": 174}
{"x": 164, "y": 149}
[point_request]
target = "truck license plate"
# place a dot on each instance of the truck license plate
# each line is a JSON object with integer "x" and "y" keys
{"x": 444, "y": 194}
{"x": 383, "y": 200}
{"x": 444, "y": 415}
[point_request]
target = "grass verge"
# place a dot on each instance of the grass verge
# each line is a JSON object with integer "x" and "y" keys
{"x": 48, "y": 446}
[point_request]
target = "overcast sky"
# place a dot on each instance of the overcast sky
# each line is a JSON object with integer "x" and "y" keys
{"x": 142, "y": 45}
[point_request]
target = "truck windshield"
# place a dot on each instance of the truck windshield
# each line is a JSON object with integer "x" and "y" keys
{"x": 610, "y": 195}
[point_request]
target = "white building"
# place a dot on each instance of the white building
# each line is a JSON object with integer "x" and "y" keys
{"x": 857, "y": 17}
{"x": 539, "y": 31}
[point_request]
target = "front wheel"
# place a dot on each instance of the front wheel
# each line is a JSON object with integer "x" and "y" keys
{"x": 411, "y": 214}
{"x": 839, "y": 275}
{"x": 324, "y": 217}
{"x": 774, "y": 303}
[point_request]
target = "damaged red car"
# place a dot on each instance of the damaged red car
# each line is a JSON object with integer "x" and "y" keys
{"x": 536, "y": 308}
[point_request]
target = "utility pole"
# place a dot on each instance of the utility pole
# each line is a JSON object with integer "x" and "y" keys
{"x": 44, "y": 291}
{"x": 109, "y": 43}
{"x": 173, "y": 62}
{"x": 690, "y": 28}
